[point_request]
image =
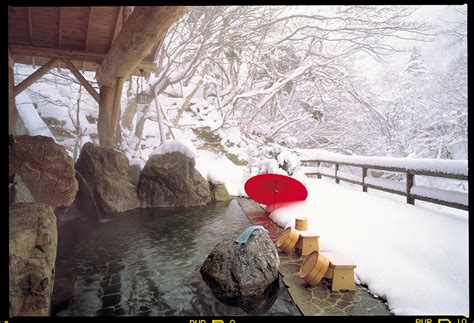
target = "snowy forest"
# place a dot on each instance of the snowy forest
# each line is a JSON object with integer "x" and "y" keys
{"x": 242, "y": 80}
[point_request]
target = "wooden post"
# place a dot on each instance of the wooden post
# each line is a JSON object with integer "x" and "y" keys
{"x": 35, "y": 76}
{"x": 336, "y": 169}
{"x": 105, "y": 112}
{"x": 364, "y": 175}
{"x": 12, "y": 112}
{"x": 319, "y": 172}
{"x": 410, "y": 176}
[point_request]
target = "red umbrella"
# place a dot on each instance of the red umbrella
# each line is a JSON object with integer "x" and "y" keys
{"x": 274, "y": 188}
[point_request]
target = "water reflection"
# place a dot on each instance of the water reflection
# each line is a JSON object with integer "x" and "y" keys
{"x": 146, "y": 262}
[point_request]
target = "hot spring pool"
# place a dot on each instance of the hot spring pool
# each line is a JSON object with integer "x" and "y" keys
{"x": 146, "y": 262}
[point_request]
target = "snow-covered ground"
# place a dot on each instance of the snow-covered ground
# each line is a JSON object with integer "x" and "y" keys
{"x": 414, "y": 257}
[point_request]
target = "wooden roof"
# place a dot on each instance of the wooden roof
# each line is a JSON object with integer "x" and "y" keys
{"x": 83, "y": 35}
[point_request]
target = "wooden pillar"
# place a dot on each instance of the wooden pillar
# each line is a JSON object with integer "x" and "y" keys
{"x": 109, "y": 114}
{"x": 36, "y": 75}
{"x": 105, "y": 113}
{"x": 335, "y": 173}
{"x": 12, "y": 112}
{"x": 318, "y": 163}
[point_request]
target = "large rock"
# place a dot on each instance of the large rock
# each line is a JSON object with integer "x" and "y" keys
{"x": 45, "y": 168}
{"x": 170, "y": 180}
{"x": 32, "y": 254}
{"x": 134, "y": 173}
{"x": 219, "y": 193}
{"x": 243, "y": 275}
{"x": 106, "y": 173}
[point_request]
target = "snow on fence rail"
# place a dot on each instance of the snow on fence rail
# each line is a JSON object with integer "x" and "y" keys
{"x": 454, "y": 169}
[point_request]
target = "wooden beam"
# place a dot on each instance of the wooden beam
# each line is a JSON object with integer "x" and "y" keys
{"x": 30, "y": 26}
{"x": 60, "y": 33}
{"x": 118, "y": 24}
{"x": 81, "y": 79}
{"x": 72, "y": 55}
{"x": 35, "y": 76}
{"x": 144, "y": 28}
{"x": 86, "y": 45}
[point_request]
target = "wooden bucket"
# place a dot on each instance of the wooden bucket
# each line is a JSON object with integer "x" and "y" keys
{"x": 314, "y": 268}
{"x": 287, "y": 240}
{"x": 301, "y": 224}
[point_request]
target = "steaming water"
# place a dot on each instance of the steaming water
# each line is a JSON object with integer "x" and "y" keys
{"x": 146, "y": 262}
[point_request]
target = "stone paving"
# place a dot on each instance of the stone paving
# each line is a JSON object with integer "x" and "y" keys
{"x": 317, "y": 300}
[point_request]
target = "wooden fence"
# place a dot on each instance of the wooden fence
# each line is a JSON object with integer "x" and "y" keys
{"x": 442, "y": 197}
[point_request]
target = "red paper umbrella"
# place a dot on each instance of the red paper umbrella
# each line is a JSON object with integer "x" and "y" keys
{"x": 274, "y": 188}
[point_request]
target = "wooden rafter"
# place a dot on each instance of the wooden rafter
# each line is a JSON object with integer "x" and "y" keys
{"x": 81, "y": 79}
{"x": 118, "y": 24}
{"x": 144, "y": 27}
{"x": 35, "y": 76}
{"x": 86, "y": 45}
{"x": 73, "y": 55}
{"x": 60, "y": 33}
{"x": 30, "y": 26}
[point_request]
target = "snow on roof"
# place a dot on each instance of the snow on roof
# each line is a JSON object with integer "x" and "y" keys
{"x": 179, "y": 145}
{"x": 459, "y": 167}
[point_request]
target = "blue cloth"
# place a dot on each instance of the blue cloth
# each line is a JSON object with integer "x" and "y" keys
{"x": 245, "y": 235}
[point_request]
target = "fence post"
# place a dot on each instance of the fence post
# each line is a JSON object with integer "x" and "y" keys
{"x": 364, "y": 175}
{"x": 410, "y": 176}
{"x": 319, "y": 171}
{"x": 335, "y": 172}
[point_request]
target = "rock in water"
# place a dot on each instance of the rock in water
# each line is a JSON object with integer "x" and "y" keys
{"x": 219, "y": 193}
{"x": 18, "y": 192}
{"x": 106, "y": 173}
{"x": 243, "y": 275}
{"x": 32, "y": 254}
{"x": 170, "y": 180}
{"x": 45, "y": 169}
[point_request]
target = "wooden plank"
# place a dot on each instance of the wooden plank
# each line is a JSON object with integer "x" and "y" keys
{"x": 30, "y": 25}
{"x": 60, "y": 32}
{"x": 35, "y": 76}
{"x": 388, "y": 190}
{"x": 441, "y": 202}
{"x": 144, "y": 27}
{"x": 81, "y": 79}
{"x": 72, "y": 55}
{"x": 349, "y": 180}
{"x": 86, "y": 45}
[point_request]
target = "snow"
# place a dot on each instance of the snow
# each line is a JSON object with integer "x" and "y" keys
{"x": 220, "y": 169}
{"x": 422, "y": 164}
{"x": 31, "y": 119}
{"x": 387, "y": 183}
{"x": 415, "y": 258}
{"x": 439, "y": 194}
{"x": 179, "y": 145}
{"x": 231, "y": 135}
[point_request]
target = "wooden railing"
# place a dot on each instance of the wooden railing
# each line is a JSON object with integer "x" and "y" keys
{"x": 439, "y": 196}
